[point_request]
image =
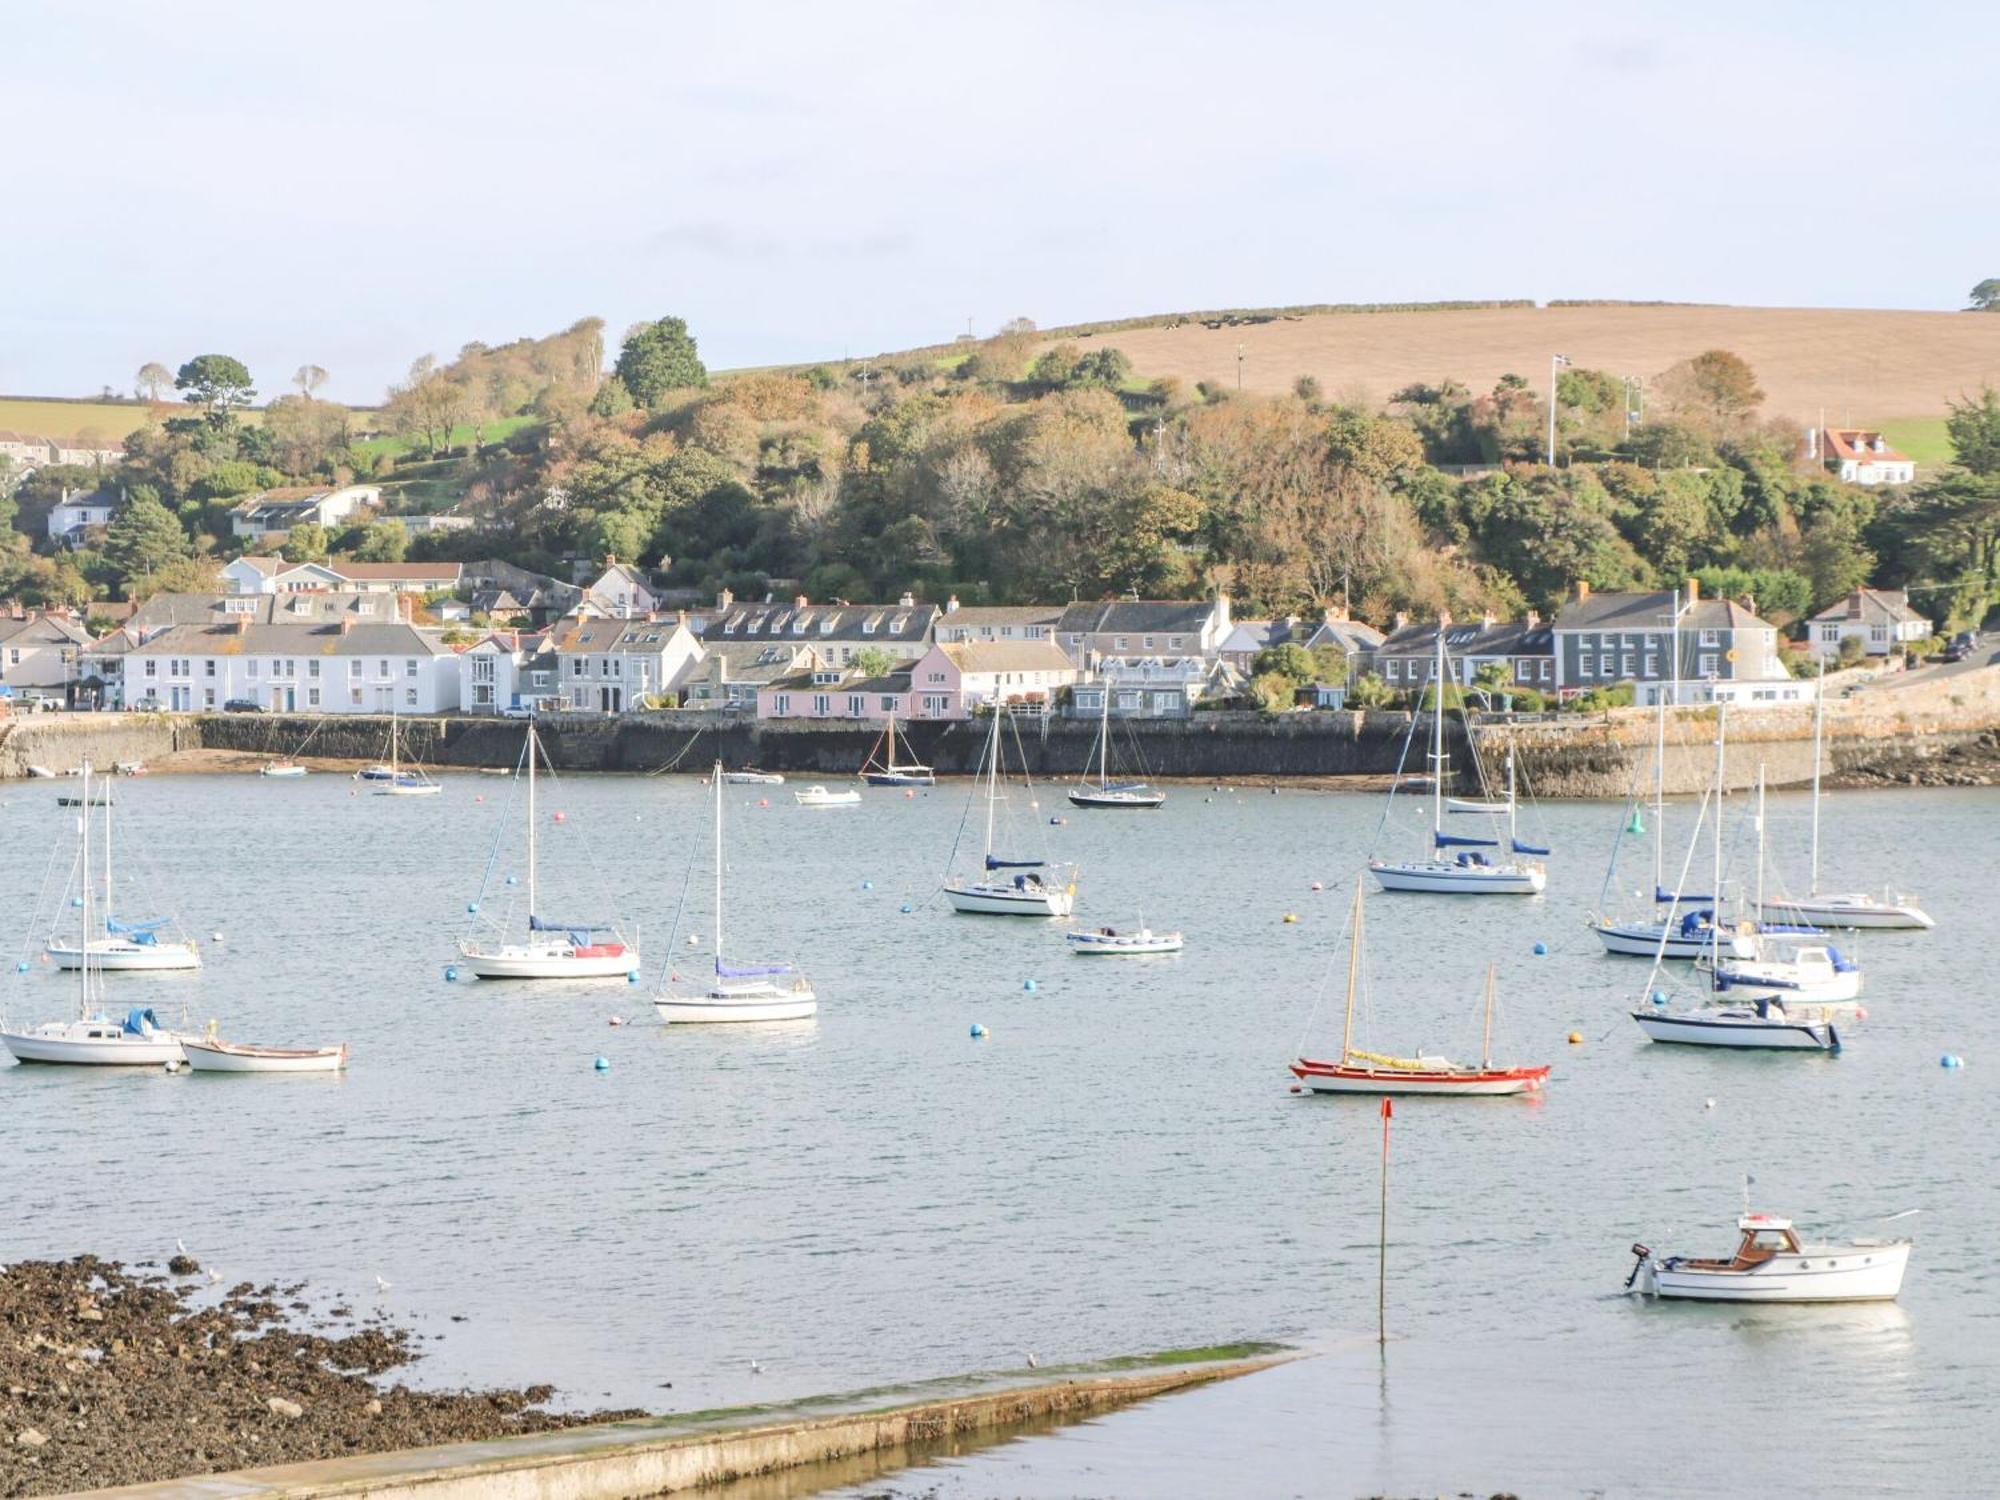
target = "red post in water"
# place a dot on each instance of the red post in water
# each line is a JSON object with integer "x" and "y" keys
{"x": 1382, "y": 1254}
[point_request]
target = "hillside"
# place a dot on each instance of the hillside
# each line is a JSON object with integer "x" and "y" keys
{"x": 1864, "y": 366}
{"x": 72, "y": 419}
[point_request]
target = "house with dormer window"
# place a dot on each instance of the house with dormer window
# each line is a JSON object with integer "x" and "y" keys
{"x": 613, "y": 666}
{"x": 1169, "y": 651}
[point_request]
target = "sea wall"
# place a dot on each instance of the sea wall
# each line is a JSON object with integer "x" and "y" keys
{"x": 63, "y": 742}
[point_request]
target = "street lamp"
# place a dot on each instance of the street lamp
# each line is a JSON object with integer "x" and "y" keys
{"x": 1556, "y": 362}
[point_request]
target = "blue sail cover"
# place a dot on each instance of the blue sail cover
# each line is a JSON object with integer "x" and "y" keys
{"x": 749, "y": 971}
{"x": 994, "y": 862}
{"x": 140, "y": 1021}
{"x": 1453, "y": 841}
{"x": 1666, "y": 897}
{"x": 543, "y": 924}
{"x": 1523, "y": 848}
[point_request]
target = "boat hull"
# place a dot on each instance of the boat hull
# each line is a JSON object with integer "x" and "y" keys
{"x": 1749, "y": 1034}
{"x": 1340, "y": 1078}
{"x": 720, "y": 1007}
{"x": 1827, "y": 1273}
{"x": 1642, "y": 940}
{"x": 899, "y": 778}
{"x": 519, "y": 961}
{"x": 752, "y": 778}
{"x": 1117, "y": 801}
{"x": 222, "y": 1057}
{"x": 1008, "y": 901}
{"x": 1123, "y": 945}
{"x": 1439, "y": 878}
{"x": 828, "y": 799}
{"x": 115, "y": 956}
{"x": 1765, "y": 981}
{"x": 283, "y": 773}
{"x": 60, "y": 1045}
{"x": 1849, "y": 912}
{"x": 397, "y": 789}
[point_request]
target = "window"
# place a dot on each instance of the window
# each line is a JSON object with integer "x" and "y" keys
{"x": 1878, "y": 633}
{"x": 934, "y": 676}
{"x": 382, "y": 668}
{"x": 354, "y": 697}
{"x": 152, "y": 666}
{"x": 208, "y": 667}
{"x": 1652, "y": 665}
{"x": 1586, "y": 665}
{"x": 1389, "y": 670}
{"x": 1625, "y": 665}
{"x": 1711, "y": 638}
{"x": 1121, "y": 643}
{"x": 312, "y": 669}
{"x": 1174, "y": 643}
{"x": 354, "y": 672}
{"x": 312, "y": 697}
{"x": 249, "y": 668}
{"x": 410, "y": 697}
{"x": 1829, "y": 632}
{"x": 821, "y": 703}
{"x": 1708, "y": 661}
{"x": 576, "y": 666}
{"x": 888, "y": 703}
{"x": 409, "y": 666}
{"x": 1149, "y": 643}
{"x": 781, "y": 705}
{"x": 482, "y": 669}
{"x": 208, "y": 697}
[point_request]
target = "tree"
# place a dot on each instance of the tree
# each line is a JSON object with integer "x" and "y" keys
{"x": 308, "y": 378}
{"x": 1290, "y": 661}
{"x": 383, "y": 542}
{"x": 1986, "y": 296}
{"x": 154, "y": 380}
{"x": 144, "y": 537}
{"x": 1715, "y": 387}
{"x": 307, "y": 543}
{"x": 658, "y": 359}
{"x": 1308, "y": 389}
{"x": 1974, "y": 425}
{"x": 216, "y": 383}
{"x": 874, "y": 661}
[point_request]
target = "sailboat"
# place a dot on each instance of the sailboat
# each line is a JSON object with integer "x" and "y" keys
{"x": 887, "y": 771}
{"x": 1104, "y": 792}
{"x": 401, "y": 780}
{"x": 1358, "y": 1072}
{"x": 741, "y": 992}
{"x": 125, "y": 946}
{"x": 551, "y": 950}
{"x": 1028, "y": 893}
{"x": 1764, "y": 1023}
{"x": 1469, "y": 872}
{"x": 1846, "y": 908}
{"x": 93, "y": 1038}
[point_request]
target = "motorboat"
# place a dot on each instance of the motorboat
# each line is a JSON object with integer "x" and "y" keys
{"x": 819, "y": 796}
{"x": 1110, "y": 942}
{"x": 212, "y": 1055}
{"x": 97, "y": 1040}
{"x": 284, "y": 770}
{"x": 737, "y": 992}
{"x": 550, "y": 949}
{"x": 749, "y": 777}
{"x": 1005, "y": 886}
{"x": 1359, "y": 1072}
{"x": 1104, "y": 793}
{"x": 1772, "y": 1264}
{"x": 883, "y": 769}
{"x": 1763, "y": 1024}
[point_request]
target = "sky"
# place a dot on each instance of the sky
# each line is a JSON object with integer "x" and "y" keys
{"x": 359, "y": 183}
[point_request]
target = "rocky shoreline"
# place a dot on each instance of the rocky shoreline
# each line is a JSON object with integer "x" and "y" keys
{"x": 1973, "y": 762}
{"x": 111, "y": 1376}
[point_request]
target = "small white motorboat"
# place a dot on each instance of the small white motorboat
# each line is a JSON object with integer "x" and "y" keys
{"x": 1764, "y": 1024}
{"x": 1772, "y": 1264}
{"x": 97, "y": 1041}
{"x": 819, "y": 796}
{"x": 40, "y": 773}
{"x": 751, "y": 777}
{"x": 213, "y": 1055}
{"x": 1108, "y": 941}
{"x": 283, "y": 770}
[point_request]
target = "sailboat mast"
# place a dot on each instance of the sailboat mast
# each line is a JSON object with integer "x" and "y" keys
{"x": 1660, "y": 749}
{"x": 1513, "y": 816}
{"x": 395, "y": 738}
{"x": 1353, "y": 975}
{"x": 1715, "y": 890}
{"x": 531, "y": 823}
{"x": 1486, "y": 1040}
{"x": 992, "y": 775}
{"x": 1437, "y": 739}
{"x": 83, "y": 923}
{"x": 1819, "y": 720}
{"x": 718, "y": 866}
{"x": 108, "y": 894}
{"x": 1103, "y": 742}
{"x": 1758, "y": 916}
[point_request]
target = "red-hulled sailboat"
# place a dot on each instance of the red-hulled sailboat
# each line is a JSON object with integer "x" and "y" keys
{"x": 1358, "y": 1072}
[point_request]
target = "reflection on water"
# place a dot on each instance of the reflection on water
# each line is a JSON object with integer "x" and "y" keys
{"x": 877, "y": 1197}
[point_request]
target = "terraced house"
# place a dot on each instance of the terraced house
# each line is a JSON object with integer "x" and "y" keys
{"x": 1668, "y": 640}
{"x": 614, "y": 666}
{"x": 1163, "y": 656}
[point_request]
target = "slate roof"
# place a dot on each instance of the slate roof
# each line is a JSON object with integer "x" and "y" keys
{"x": 1136, "y": 617}
{"x": 42, "y": 630}
{"x": 1891, "y": 606}
{"x": 1464, "y": 638}
{"x": 1042, "y": 655}
{"x": 1654, "y": 611}
{"x": 864, "y": 624}
{"x": 1348, "y": 635}
{"x": 802, "y": 682}
{"x": 596, "y": 634}
{"x": 369, "y": 638}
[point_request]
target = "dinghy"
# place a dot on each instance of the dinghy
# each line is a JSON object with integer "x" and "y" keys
{"x": 213, "y": 1055}
{"x": 750, "y": 777}
{"x": 1109, "y": 942}
{"x": 283, "y": 770}
{"x": 1772, "y": 1264}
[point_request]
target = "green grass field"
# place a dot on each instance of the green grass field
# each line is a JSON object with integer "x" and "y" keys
{"x": 461, "y": 437}
{"x": 1923, "y": 438}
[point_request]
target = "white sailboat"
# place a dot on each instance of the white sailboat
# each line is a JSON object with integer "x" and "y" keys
{"x": 1104, "y": 792}
{"x": 401, "y": 780}
{"x": 550, "y": 950}
{"x": 126, "y": 946}
{"x": 888, "y": 771}
{"x": 1469, "y": 872}
{"x": 93, "y": 1038}
{"x": 1843, "y": 908}
{"x": 1029, "y": 892}
{"x": 740, "y": 992}
{"x": 1797, "y": 966}
{"x": 1762, "y": 1024}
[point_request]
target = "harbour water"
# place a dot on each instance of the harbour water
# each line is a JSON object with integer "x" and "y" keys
{"x": 875, "y": 1197}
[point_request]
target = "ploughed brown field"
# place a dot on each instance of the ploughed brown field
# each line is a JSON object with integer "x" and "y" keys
{"x": 1863, "y": 366}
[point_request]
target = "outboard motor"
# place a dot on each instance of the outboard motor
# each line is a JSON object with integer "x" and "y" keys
{"x": 1641, "y": 1254}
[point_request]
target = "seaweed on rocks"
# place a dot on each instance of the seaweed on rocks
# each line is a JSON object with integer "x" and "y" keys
{"x": 110, "y": 1377}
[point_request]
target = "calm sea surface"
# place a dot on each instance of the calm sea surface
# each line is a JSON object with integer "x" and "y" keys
{"x": 1119, "y": 1166}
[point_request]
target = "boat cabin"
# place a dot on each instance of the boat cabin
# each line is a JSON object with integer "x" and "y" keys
{"x": 1763, "y": 1237}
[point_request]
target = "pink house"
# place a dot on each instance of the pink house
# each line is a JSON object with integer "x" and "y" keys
{"x": 841, "y": 693}
{"x": 953, "y": 680}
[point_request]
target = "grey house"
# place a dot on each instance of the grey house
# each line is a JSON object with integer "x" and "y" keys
{"x": 1524, "y": 649}
{"x": 1718, "y": 650}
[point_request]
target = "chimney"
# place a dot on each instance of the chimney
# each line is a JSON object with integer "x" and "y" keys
{"x": 1748, "y": 600}
{"x": 241, "y": 624}
{"x": 1534, "y": 618}
{"x": 346, "y": 623}
{"x": 951, "y": 605}
{"x": 1402, "y": 621}
{"x": 1582, "y": 590}
{"x": 611, "y": 559}
{"x": 724, "y": 599}
{"x": 1444, "y": 619}
{"x": 1694, "y": 591}
{"x": 1335, "y": 612}
{"x": 800, "y": 601}
{"x": 907, "y": 601}
{"x": 1487, "y": 620}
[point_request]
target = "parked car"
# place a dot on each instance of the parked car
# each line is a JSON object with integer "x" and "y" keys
{"x": 1960, "y": 646}
{"x": 242, "y": 706}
